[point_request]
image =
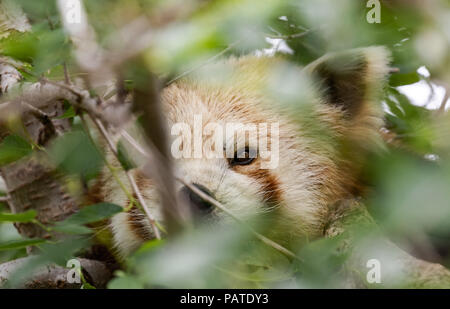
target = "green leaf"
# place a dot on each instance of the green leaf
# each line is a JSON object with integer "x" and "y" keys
{"x": 39, "y": 10}
{"x": 64, "y": 250}
{"x": 400, "y": 79}
{"x": 69, "y": 113}
{"x": 74, "y": 229}
{"x": 27, "y": 216}
{"x": 12, "y": 148}
{"x": 75, "y": 153}
{"x": 93, "y": 213}
{"x": 22, "y": 243}
{"x": 87, "y": 286}
{"x": 124, "y": 158}
{"x": 321, "y": 260}
{"x": 42, "y": 47}
{"x": 20, "y": 46}
{"x": 150, "y": 245}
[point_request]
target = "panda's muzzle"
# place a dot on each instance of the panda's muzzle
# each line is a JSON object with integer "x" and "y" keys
{"x": 198, "y": 205}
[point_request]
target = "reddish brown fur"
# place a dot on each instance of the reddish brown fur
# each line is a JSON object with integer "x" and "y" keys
{"x": 136, "y": 225}
{"x": 269, "y": 183}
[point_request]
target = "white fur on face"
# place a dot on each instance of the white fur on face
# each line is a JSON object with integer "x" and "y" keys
{"x": 238, "y": 193}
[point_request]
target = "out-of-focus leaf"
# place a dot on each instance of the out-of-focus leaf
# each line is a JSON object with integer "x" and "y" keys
{"x": 92, "y": 213}
{"x": 69, "y": 113}
{"x": 87, "y": 286}
{"x": 88, "y": 214}
{"x": 22, "y": 243}
{"x": 76, "y": 154}
{"x": 411, "y": 199}
{"x": 200, "y": 252}
{"x": 63, "y": 251}
{"x": 20, "y": 217}
{"x": 400, "y": 79}
{"x": 12, "y": 148}
{"x": 42, "y": 47}
{"x": 124, "y": 158}
{"x": 321, "y": 260}
{"x": 20, "y": 46}
{"x": 38, "y": 10}
{"x": 74, "y": 229}
{"x": 411, "y": 123}
{"x": 7, "y": 233}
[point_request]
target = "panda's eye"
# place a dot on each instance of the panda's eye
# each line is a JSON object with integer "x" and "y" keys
{"x": 244, "y": 156}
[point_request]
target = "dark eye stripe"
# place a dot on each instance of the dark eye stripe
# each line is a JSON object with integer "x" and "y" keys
{"x": 270, "y": 185}
{"x": 240, "y": 159}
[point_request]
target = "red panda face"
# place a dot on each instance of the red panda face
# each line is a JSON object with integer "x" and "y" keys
{"x": 236, "y": 143}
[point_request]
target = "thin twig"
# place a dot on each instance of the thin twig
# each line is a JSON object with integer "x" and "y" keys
{"x": 64, "y": 86}
{"x": 66, "y": 74}
{"x": 84, "y": 101}
{"x": 109, "y": 166}
{"x": 130, "y": 177}
{"x": 132, "y": 200}
{"x": 135, "y": 144}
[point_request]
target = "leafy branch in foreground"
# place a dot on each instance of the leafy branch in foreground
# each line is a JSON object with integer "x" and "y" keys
{"x": 44, "y": 101}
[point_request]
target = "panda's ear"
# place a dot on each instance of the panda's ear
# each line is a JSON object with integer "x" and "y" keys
{"x": 352, "y": 78}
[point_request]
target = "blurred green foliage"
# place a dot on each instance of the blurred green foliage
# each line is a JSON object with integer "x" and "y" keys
{"x": 75, "y": 153}
{"x": 410, "y": 196}
{"x": 12, "y": 148}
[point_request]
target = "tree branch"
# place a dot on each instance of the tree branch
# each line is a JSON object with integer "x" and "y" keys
{"x": 146, "y": 101}
{"x": 55, "y": 277}
{"x": 347, "y": 220}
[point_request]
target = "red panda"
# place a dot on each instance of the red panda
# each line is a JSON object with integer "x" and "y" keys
{"x": 321, "y": 141}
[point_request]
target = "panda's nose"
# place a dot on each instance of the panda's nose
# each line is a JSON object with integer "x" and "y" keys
{"x": 198, "y": 205}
